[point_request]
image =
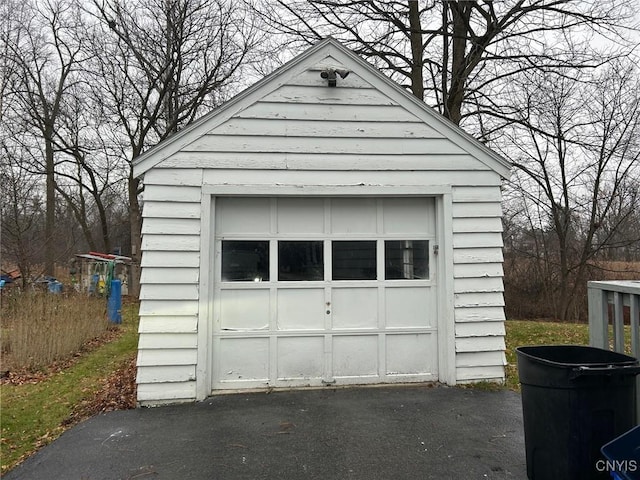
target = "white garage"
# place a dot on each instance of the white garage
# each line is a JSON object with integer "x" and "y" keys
{"x": 312, "y": 234}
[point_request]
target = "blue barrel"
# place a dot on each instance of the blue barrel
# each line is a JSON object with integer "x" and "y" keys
{"x": 55, "y": 287}
{"x": 114, "y": 302}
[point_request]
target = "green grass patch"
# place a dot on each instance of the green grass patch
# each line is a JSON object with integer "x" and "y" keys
{"x": 33, "y": 414}
{"x": 532, "y": 332}
{"x": 529, "y": 332}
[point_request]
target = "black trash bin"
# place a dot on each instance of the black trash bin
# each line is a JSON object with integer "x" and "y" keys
{"x": 574, "y": 400}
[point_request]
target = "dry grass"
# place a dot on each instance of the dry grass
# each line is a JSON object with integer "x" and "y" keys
{"x": 533, "y": 293}
{"x": 39, "y": 328}
{"x": 612, "y": 270}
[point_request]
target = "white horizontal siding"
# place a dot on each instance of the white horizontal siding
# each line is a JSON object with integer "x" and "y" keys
{"x": 477, "y": 224}
{"x": 237, "y": 143}
{"x": 170, "y": 259}
{"x": 171, "y": 226}
{"x": 173, "y": 356}
{"x": 168, "y": 392}
{"x": 168, "y": 324}
{"x": 475, "y": 194}
{"x": 481, "y": 359}
{"x": 176, "y": 210}
{"x": 479, "y": 209}
{"x": 480, "y": 314}
{"x": 166, "y": 374}
{"x": 164, "y": 275}
{"x": 482, "y": 299}
{"x": 169, "y": 292}
{"x": 169, "y": 307}
{"x": 480, "y": 329}
{"x": 167, "y": 345}
{"x": 173, "y": 177}
{"x": 478, "y": 285}
{"x": 300, "y": 178}
{"x": 480, "y": 373}
{"x": 477, "y": 239}
{"x": 171, "y": 193}
{"x": 179, "y": 243}
{"x": 372, "y": 113}
{"x": 168, "y": 340}
{"x": 320, "y": 162}
{"x": 477, "y": 270}
{"x": 478, "y": 255}
{"x": 480, "y": 344}
{"x": 319, "y": 95}
{"x": 327, "y": 128}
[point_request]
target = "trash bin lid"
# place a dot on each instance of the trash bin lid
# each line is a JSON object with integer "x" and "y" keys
{"x": 576, "y": 355}
{"x": 558, "y": 365}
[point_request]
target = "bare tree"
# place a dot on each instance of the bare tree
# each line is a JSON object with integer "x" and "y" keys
{"x": 94, "y": 175}
{"x": 21, "y": 214}
{"x": 44, "y": 56}
{"x": 456, "y": 54}
{"x": 158, "y": 65}
{"x": 577, "y": 154}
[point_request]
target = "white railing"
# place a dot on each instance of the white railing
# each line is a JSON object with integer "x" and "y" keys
{"x": 620, "y": 294}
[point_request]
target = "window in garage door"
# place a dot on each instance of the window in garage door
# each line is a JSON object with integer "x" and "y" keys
{"x": 316, "y": 291}
{"x": 303, "y": 260}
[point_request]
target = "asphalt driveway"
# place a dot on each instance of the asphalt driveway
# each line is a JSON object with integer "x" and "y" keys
{"x": 415, "y": 432}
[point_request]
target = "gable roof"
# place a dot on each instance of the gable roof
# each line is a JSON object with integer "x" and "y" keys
{"x": 328, "y": 47}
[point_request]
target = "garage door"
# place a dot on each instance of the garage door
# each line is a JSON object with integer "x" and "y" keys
{"x": 322, "y": 291}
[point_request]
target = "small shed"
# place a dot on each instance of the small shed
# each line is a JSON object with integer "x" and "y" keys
{"x": 324, "y": 227}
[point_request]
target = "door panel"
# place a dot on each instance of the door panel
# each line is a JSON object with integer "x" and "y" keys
{"x": 244, "y": 309}
{"x": 300, "y": 358}
{"x": 355, "y": 355}
{"x": 243, "y": 359}
{"x": 353, "y": 215}
{"x": 301, "y": 309}
{"x": 408, "y": 307}
{"x": 354, "y": 308}
{"x": 300, "y": 216}
{"x": 411, "y": 354}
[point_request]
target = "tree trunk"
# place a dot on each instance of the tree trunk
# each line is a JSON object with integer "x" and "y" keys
{"x": 49, "y": 260}
{"x": 460, "y": 14}
{"x": 417, "y": 80}
{"x": 135, "y": 219}
{"x": 104, "y": 225}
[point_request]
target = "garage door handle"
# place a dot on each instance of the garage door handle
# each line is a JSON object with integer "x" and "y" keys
{"x": 329, "y": 382}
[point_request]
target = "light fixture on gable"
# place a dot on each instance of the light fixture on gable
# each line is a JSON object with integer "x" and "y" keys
{"x": 330, "y": 75}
